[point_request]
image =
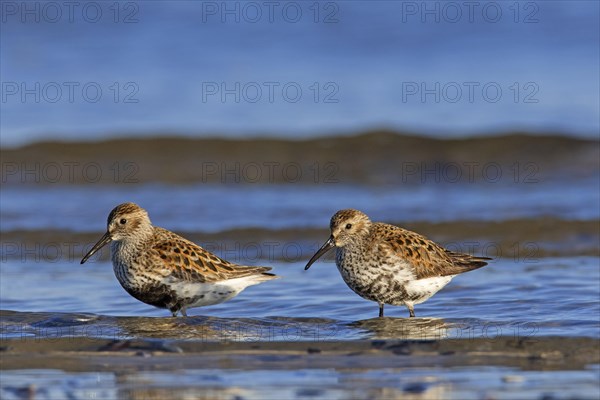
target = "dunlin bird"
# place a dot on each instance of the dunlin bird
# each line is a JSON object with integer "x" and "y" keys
{"x": 162, "y": 269}
{"x": 388, "y": 264}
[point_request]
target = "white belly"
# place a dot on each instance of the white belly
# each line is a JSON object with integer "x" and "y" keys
{"x": 422, "y": 289}
{"x": 206, "y": 294}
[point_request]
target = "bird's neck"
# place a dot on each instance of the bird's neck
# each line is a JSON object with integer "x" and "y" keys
{"x": 129, "y": 248}
{"x": 353, "y": 247}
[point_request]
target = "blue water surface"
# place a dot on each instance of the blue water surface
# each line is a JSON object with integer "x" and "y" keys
{"x": 306, "y": 68}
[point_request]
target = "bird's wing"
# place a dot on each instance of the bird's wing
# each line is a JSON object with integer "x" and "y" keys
{"x": 428, "y": 258}
{"x": 186, "y": 260}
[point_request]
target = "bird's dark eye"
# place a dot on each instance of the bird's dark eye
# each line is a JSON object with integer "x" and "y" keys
{"x": 123, "y": 221}
{"x": 348, "y": 226}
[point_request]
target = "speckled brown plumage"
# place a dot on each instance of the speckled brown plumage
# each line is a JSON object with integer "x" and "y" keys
{"x": 187, "y": 261}
{"x": 161, "y": 268}
{"x": 391, "y": 265}
{"x": 427, "y": 258}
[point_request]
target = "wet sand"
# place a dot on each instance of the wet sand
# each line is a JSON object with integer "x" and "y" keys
{"x": 91, "y": 354}
{"x": 550, "y": 367}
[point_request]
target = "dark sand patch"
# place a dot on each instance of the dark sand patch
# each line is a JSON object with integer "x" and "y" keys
{"x": 377, "y": 157}
{"x": 84, "y": 354}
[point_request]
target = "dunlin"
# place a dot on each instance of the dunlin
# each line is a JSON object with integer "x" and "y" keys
{"x": 388, "y": 264}
{"x": 163, "y": 269}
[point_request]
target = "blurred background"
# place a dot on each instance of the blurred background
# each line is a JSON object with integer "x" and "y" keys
{"x": 297, "y": 69}
{"x": 241, "y": 124}
{"x": 245, "y": 125}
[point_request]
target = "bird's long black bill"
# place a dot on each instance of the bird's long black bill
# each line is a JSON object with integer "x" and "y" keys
{"x": 329, "y": 244}
{"x": 101, "y": 243}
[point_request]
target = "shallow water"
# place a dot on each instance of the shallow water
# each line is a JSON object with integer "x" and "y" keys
{"x": 218, "y": 207}
{"x": 524, "y": 296}
{"x": 554, "y": 296}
